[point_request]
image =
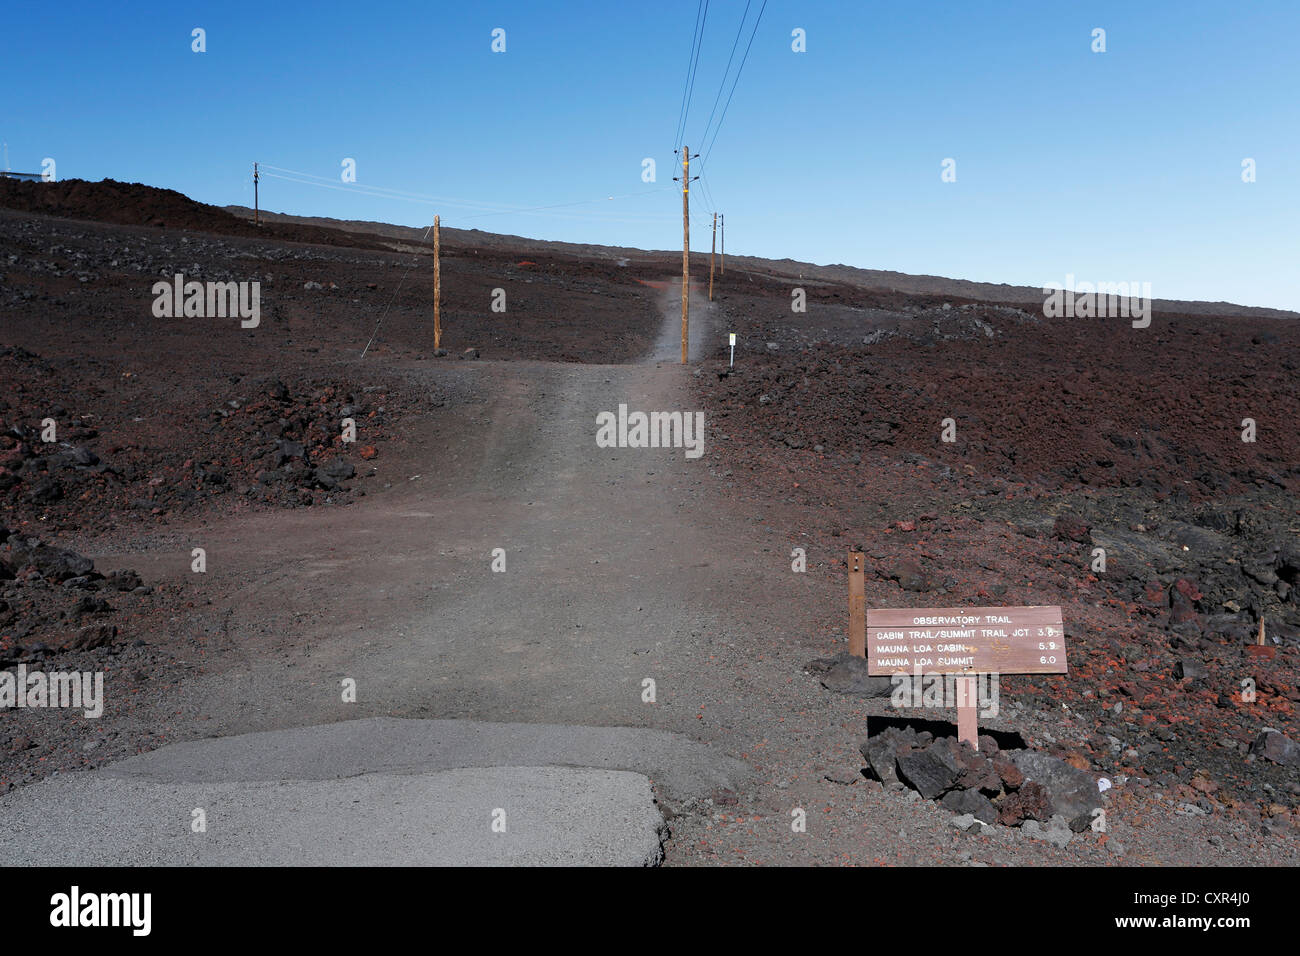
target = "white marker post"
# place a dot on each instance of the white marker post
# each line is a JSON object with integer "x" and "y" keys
{"x": 733, "y": 348}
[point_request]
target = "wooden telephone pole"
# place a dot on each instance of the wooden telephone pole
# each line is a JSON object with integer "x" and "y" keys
{"x": 437, "y": 291}
{"x": 711, "y": 253}
{"x": 686, "y": 243}
{"x": 723, "y": 262}
{"x": 257, "y": 218}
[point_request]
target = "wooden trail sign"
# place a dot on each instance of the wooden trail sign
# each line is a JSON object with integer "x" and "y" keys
{"x": 965, "y": 640}
{"x": 961, "y": 641}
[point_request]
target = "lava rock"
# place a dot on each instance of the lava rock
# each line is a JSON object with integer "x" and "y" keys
{"x": 1057, "y": 832}
{"x": 287, "y": 451}
{"x": 967, "y": 823}
{"x": 209, "y": 475}
{"x": 911, "y": 576}
{"x": 45, "y": 491}
{"x": 1182, "y": 602}
{"x": 881, "y": 754}
{"x": 339, "y": 469}
{"x": 972, "y": 802}
{"x": 977, "y": 771}
{"x": 1008, "y": 773}
{"x": 91, "y": 637}
{"x": 83, "y": 457}
{"x": 930, "y": 771}
{"x": 1071, "y": 528}
{"x": 1030, "y": 802}
{"x": 89, "y": 604}
{"x": 1276, "y": 746}
{"x": 1070, "y": 791}
{"x": 123, "y": 580}
{"x": 846, "y": 674}
{"x": 53, "y": 564}
{"x": 1081, "y": 823}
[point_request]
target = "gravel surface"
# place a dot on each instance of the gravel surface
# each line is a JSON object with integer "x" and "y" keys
{"x": 645, "y": 589}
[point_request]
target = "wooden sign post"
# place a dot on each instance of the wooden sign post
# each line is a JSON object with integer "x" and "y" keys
{"x": 959, "y": 641}
{"x": 857, "y": 607}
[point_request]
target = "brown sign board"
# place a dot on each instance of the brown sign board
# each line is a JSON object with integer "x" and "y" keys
{"x": 965, "y": 640}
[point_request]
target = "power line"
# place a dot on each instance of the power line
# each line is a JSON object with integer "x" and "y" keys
{"x": 681, "y": 109}
{"x": 739, "y": 70}
{"x": 695, "y": 70}
{"x": 311, "y": 179}
{"x": 331, "y": 183}
{"x": 382, "y": 192}
{"x": 493, "y": 209}
{"x": 531, "y": 210}
{"x": 725, "y": 73}
{"x": 708, "y": 193}
{"x": 692, "y": 57}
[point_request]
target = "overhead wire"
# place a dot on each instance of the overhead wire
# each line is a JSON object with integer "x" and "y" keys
{"x": 332, "y": 182}
{"x": 708, "y": 193}
{"x": 739, "y": 70}
{"x": 486, "y": 209}
{"x": 495, "y": 209}
{"x": 692, "y": 61}
{"x": 725, "y": 73}
{"x": 695, "y": 70}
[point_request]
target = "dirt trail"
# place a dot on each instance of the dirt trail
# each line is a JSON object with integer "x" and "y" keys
{"x": 615, "y": 571}
{"x": 603, "y": 582}
{"x": 701, "y": 325}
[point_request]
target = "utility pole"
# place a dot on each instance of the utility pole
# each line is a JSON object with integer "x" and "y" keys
{"x": 257, "y": 219}
{"x": 713, "y": 250}
{"x": 686, "y": 243}
{"x": 723, "y": 263}
{"x": 437, "y": 291}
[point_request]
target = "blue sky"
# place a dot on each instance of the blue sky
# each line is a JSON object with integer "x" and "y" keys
{"x": 1115, "y": 166}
